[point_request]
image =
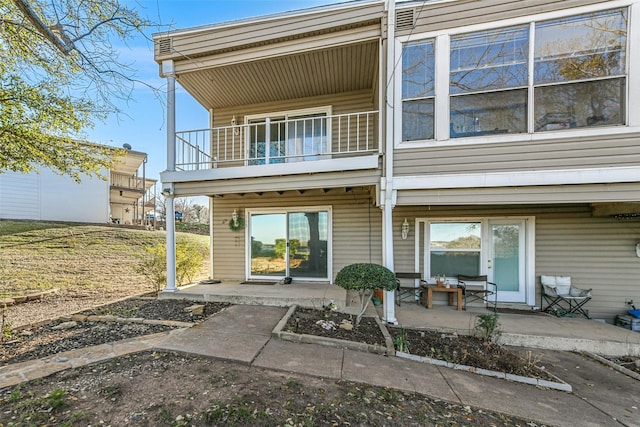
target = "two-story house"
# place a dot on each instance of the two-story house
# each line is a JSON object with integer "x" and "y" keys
{"x": 501, "y": 136}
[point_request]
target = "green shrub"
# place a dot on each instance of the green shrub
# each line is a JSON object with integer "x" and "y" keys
{"x": 364, "y": 278}
{"x": 189, "y": 257}
{"x": 487, "y": 326}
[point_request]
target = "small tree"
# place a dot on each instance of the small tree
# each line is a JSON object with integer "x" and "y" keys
{"x": 189, "y": 257}
{"x": 365, "y": 278}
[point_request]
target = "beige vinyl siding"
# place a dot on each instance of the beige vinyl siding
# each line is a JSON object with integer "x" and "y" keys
{"x": 356, "y": 226}
{"x": 624, "y": 192}
{"x": 268, "y": 30}
{"x": 444, "y": 15}
{"x": 549, "y": 154}
{"x": 598, "y": 253}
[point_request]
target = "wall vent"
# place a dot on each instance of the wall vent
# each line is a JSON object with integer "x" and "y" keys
{"x": 404, "y": 19}
{"x": 164, "y": 46}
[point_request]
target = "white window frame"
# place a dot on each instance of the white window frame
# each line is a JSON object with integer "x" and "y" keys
{"x": 423, "y": 241}
{"x": 250, "y": 211}
{"x": 326, "y": 110}
{"x": 442, "y": 47}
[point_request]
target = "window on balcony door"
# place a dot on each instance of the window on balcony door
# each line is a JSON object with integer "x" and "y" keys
{"x": 418, "y": 91}
{"x": 307, "y": 137}
{"x": 541, "y": 76}
{"x": 579, "y": 72}
{"x": 488, "y": 82}
{"x": 291, "y": 137}
{"x": 258, "y": 141}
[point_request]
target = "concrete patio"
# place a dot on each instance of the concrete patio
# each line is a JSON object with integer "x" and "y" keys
{"x": 536, "y": 330}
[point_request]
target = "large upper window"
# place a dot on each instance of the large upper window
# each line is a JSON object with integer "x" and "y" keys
{"x": 579, "y": 72}
{"x": 579, "y": 78}
{"x": 488, "y": 82}
{"x": 418, "y": 91}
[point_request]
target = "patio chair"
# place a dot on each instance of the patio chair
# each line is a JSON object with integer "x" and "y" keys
{"x": 562, "y": 298}
{"x": 478, "y": 288}
{"x": 402, "y": 291}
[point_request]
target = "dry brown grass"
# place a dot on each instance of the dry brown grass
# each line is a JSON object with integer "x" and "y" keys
{"x": 89, "y": 264}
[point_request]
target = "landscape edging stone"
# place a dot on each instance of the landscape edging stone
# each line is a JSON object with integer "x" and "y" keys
{"x": 560, "y": 385}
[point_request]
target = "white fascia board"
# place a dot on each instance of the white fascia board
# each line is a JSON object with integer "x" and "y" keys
{"x": 264, "y": 18}
{"x": 295, "y": 168}
{"x": 519, "y": 179}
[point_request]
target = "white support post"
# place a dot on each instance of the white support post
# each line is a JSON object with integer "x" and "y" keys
{"x": 388, "y": 199}
{"x": 167, "y": 67}
{"x": 171, "y": 244}
{"x": 211, "y": 239}
{"x": 167, "y": 188}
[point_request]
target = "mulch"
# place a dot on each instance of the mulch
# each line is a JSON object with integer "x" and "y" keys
{"x": 327, "y": 324}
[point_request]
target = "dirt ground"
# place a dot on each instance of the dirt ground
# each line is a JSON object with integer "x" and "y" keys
{"x": 169, "y": 389}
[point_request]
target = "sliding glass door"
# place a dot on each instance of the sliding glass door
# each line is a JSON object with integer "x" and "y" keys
{"x": 291, "y": 243}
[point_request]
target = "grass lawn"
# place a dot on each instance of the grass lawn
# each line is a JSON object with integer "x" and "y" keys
{"x": 40, "y": 255}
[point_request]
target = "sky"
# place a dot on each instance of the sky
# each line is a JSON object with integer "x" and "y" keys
{"x": 143, "y": 122}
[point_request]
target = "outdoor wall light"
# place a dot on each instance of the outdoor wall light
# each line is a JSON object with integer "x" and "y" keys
{"x": 234, "y": 123}
{"x": 405, "y": 229}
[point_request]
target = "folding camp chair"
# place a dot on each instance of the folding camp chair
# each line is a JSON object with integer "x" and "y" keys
{"x": 562, "y": 298}
{"x": 478, "y": 288}
{"x": 402, "y": 291}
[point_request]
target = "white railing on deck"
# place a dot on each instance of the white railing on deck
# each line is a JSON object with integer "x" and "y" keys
{"x": 127, "y": 181}
{"x": 301, "y": 139}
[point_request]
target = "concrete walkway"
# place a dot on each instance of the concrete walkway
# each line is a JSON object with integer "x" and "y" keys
{"x": 242, "y": 333}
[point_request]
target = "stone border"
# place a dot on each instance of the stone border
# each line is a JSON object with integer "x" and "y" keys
{"x": 110, "y": 318}
{"x": 31, "y": 296}
{"x": 613, "y": 365}
{"x": 331, "y": 342}
{"x": 559, "y": 385}
{"x": 389, "y": 350}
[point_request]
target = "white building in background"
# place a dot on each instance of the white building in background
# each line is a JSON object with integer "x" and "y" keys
{"x": 47, "y": 196}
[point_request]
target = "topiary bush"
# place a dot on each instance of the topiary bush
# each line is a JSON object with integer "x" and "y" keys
{"x": 365, "y": 278}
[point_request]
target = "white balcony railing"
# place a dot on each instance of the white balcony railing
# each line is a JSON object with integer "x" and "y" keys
{"x": 269, "y": 141}
{"x": 128, "y": 182}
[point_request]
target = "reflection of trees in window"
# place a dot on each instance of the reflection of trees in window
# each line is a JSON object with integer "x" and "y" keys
{"x": 506, "y": 240}
{"x": 418, "y": 90}
{"x": 579, "y": 70}
{"x": 488, "y": 82}
{"x": 455, "y": 248}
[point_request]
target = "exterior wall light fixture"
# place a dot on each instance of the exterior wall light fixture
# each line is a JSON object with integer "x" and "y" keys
{"x": 405, "y": 229}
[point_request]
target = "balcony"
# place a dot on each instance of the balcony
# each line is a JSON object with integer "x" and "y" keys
{"x": 128, "y": 182}
{"x": 317, "y": 143}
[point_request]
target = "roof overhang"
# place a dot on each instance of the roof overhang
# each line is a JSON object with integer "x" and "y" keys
{"x": 320, "y": 51}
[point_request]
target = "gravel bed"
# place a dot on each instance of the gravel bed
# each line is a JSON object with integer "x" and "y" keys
{"x": 47, "y": 339}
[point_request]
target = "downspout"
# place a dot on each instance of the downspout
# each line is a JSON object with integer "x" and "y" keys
{"x": 387, "y": 180}
{"x": 167, "y": 189}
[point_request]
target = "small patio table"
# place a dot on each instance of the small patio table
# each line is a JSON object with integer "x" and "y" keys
{"x": 451, "y": 291}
